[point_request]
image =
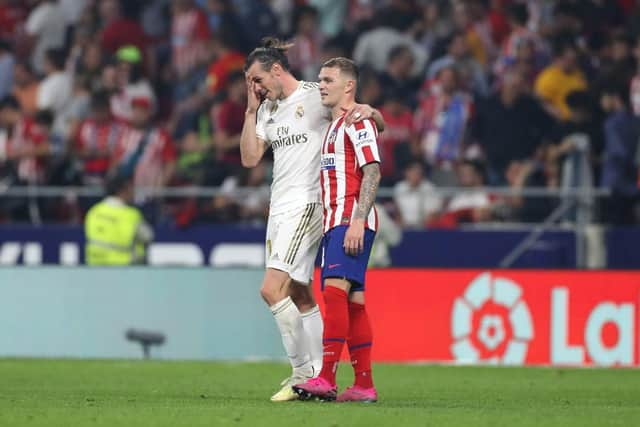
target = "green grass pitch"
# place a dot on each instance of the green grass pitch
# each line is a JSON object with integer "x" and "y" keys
{"x": 139, "y": 393}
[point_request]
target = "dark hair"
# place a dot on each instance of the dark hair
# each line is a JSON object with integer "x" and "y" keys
{"x": 580, "y": 100}
{"x": 519, "y": 13}
{"x": 26, "y": 65}
{"x": 5, "y": 46}
{"x": 9, "y": 101}
{"x": 117, "y": 182}
{"x": 44, "y": 118}
{"x": 562, "y": 43}
{"x": 234, "y": 77}
{"x": 272, "y": 50}
{"x": 345, "y": 65}
{"x": 621, "y": 37}
{"x": 618, "y": 87}
{"x": 100, "y": 100}
{"x": 398, "y": 51}
{"x": 414, "y": 163}
{"x": 56, "y": 57}
{"x": 478, "y": 167}
{"x": 304, "y": 10}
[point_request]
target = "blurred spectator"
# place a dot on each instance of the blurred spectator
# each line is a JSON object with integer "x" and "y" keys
{"x": 54, "y": 92}
{"x": 96, "y": 140}
{"x": 72, "y": 10}
{"x": 229, "y": 119}
{"x": 369, "y": 88}
{"x": 441, "y": 124}
{"x": 13, "y": 13}
{"x": 145, "y": 150}
{"x": 520, "y": 37}
{"x": 399, "y": 14}
{"x": 620, "y": 62}
{"x": 416, "y": 198}
{"x": 189, "y": 35}
{"x": 89, "y": 65}
{"x": 397, "y": 77}
{"x": 472, "y": 204}
{"x": 374, "y": 46}
{"x": 227, "y": 60}
{"x": 635, "y": 83}
{"x": 332, "y": 15}
{"x": 245, "y": 196}
{"x": 69, "y": 118}
{"x": 583, "y": 125}
{"x": 119, "y": 30}
{"x": 498, "y": 21}
{"x": 434, "y": 26}
{"x": 7, "y": 63}
{"x": 46, "y": 26}
{"x": 396, "y": 138}
{"x": 257, "y": 21}
{"x": 26, "y": 88}
{"x": 470, "y": 19}
{"x": 472, "y": 75}
{"x": 566, "y": 19}
{"x": 510, "y": 125}
{"x": 304, "y": 55}
{"x": 284, "y": 11}
{"x": 130, "y": 83}
{"x": 222, "y": 18}
{"x": 26, "y": 146}
{"x": 531, "y": 173}
{"x": 621, "y": 137}
{"x": 560, "y": 78}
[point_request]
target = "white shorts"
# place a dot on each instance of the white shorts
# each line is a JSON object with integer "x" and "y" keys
{"x": 293, "y": 239}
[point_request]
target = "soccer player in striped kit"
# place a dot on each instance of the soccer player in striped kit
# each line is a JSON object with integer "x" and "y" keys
{"x": 350, "y": 175}
{"x": 287, "y": 115}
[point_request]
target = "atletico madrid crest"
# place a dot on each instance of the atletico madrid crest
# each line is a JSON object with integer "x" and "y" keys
{"x": 333, "y": 136}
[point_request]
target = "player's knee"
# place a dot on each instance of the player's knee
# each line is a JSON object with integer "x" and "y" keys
{"x": 274, "y": 289}
{"x": 270, "y": 294}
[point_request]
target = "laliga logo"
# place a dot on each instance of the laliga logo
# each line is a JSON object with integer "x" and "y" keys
{"x": 491, "y": 322}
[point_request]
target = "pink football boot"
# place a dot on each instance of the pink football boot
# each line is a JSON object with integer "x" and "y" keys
{"x": 358, "y": 394}
{"x": 316, "y": 388}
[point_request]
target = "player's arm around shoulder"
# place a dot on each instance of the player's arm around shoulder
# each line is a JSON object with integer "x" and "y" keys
{"x": 361, "y": 112}
{"x": 252, "y": 138}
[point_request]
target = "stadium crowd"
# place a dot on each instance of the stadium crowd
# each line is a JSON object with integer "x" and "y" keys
{"x": 475, "y": 93}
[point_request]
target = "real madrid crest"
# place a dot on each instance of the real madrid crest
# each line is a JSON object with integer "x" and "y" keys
{"x": 299, "y": 112}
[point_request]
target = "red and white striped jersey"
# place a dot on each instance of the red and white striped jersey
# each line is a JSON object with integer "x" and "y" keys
{"x": 345, "y": 150}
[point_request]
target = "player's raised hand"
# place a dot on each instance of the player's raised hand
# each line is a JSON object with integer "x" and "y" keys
{"x": 354, "y": 238}
{"x": 358, "y": 113}
{"x": 253, "y": 97}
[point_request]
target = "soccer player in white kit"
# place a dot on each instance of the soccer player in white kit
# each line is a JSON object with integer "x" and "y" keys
{"x": 287, "y": 115}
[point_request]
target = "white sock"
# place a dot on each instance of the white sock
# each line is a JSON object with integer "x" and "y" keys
{"x": 294, "y": 338}
{"x": 313, "y": 326}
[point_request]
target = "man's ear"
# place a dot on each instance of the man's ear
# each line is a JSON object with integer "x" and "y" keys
{"x": 351, "y": 86}
{"x": 276, "y": 69}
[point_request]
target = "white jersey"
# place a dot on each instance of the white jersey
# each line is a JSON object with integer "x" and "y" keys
{"x": 294, "y": 128}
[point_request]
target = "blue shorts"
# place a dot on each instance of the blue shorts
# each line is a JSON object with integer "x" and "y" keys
{"x": 337, "y": 264}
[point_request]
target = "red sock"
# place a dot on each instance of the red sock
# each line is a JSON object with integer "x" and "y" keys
{"x": 336, "y": 329}
{"x": 360, "y": 338}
